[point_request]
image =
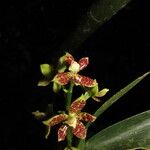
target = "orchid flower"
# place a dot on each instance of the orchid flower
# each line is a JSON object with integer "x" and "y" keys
{"x": 63, "y": 78}
{"x": 72, "y": 120}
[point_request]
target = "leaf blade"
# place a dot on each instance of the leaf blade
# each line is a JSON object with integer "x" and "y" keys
{"x": 129, "y": 133}
{"x": 112, "y": 100}
{"x": 99, "y": 12}
{"x": 118, "y": 95}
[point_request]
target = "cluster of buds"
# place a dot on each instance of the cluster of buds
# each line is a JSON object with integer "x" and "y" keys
{"x": 68, "y": 72}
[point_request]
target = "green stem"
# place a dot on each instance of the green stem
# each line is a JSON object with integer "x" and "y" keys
{"x": 68, "y": 103}
{"x": 69, "y": 96}
{"x": 69, "y": 138}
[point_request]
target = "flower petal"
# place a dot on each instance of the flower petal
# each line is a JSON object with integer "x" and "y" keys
{"x": 77, "y": 106}
{"x": 56, "y": 87}
{"x": 55, "y": 120}
{"x": 67, "y": 58}
{"x": 46, "y": 69}
{"x": 61, "y": 68}
{"x": 102, "y": 92}
{"x": 44, "y": 82}
{"x": 84, "y": 81}
{"x": 62, "y": 132}
{"x": 74, "y": 67}
{"x": 39, "y": 115}
{"x": 72, "y": 120}
{"x": 80, "y": 130}
{"x": 83, "y": 62}
{"x": 48, "y": 130}
{"x": 96, "y": 99}
{"x": 62, "y": 78}
{"x": 86, "y": 117}
{"x": 93, "y": 90}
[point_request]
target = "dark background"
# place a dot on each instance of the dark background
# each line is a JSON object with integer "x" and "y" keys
{"x": 31, "y": 33}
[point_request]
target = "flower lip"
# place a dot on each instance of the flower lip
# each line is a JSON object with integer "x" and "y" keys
{"x": 72, "y": 120}
{"x": 74, "y": 67}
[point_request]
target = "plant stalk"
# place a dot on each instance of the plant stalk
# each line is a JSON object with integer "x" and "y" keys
{"x": 69, "y": 96}
{"x": 68, "y": 103}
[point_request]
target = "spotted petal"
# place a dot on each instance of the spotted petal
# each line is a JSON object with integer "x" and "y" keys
{"x": 67, "y": 58}
{"x": 62, "y": 78}
{"x": 86, "y": 117}
{"x": 83, "y": 62}
{"x": 55, "y": 120}
{"x": 80, "y": 130}
{"x": 62, "y": 132}
{"x": 77, "y": 106}
{"x": 84, "y": 81}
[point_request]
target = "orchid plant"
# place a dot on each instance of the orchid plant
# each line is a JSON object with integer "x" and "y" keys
{"x": 73, "y": 120}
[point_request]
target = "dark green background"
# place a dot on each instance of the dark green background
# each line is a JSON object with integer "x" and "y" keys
{"x": 32, "y": 32}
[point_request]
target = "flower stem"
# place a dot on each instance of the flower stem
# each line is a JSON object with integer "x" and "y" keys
{"x": 69, "y": 96}
{"x": 69, "y": 138}
{"x": 68, "y": 103}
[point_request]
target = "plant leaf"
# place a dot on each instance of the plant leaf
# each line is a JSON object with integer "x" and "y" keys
{"x": 112, "y": 100}
{"x": 118, "y": 95}
{"x": 128, "y": 134}
{"x": 99, "y": 12}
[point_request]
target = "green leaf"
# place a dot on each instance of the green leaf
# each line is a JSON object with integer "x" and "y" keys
{"x": 128, "y": 134}
{"x": 112, "y": 100}
{"x": 46, "y": 69}
{"x": 71, "y": 148}
{"x": 99, "y": 12}
{"x": 118, "y": 95}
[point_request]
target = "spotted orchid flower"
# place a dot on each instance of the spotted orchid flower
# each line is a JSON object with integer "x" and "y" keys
{"x": 74, "y": 66}
{"x": 63, "y": 78}
{"x": 72, "y": 120}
